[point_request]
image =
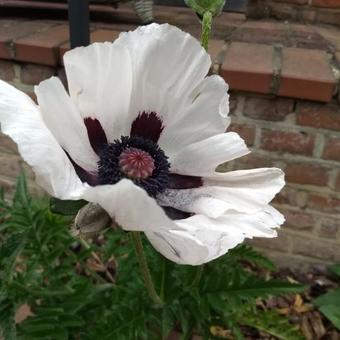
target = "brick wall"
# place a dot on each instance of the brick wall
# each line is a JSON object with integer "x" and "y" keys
{"x": 303, "y": 139}
{"x": 312, "y": 11}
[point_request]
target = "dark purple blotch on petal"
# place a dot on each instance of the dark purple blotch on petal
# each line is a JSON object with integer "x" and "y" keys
{"x": 96, "y": 133}
{"x": 85, "y": 176}
{"x": 177, "y": 181}
{"x": 147, "y": 125}
{"x": 176, "y": 214}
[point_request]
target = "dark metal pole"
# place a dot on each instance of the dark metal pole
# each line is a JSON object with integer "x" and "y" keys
{"x": 79, "y": 21}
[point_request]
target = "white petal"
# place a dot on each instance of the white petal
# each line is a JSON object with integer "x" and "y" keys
{"x": 130, "y": 206}
{"x": 167, "y": 65}
{"x": 197, "y": 201}
{"x": 100, "y": 82}
{"x": 202, "y": 158}
{"x": 216, "y": 235}
{"x": 206, "y": 115}
{"x": 21, "y": 120}
{"x": 179, "y": 246}
{"x": 226, "y": 232}
{"x": 245, "y": 190}
{"x": 64, "y": 121}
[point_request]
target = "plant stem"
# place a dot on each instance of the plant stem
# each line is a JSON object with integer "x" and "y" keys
{"x": 198, "y": 276}
{"x": 143, "y": 265}
{"x": 206, "y": 29}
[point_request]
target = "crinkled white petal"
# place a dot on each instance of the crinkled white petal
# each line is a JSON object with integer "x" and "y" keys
{"x": 100, "y": 83}
{"x": 205, "y": 115}
{"x": 21, "y": 120}
{"x": 179, "y": 246}
{"x": 167, "y": 65}
{"x": 203, "y": 239}
{"x": 63, "y": 119}
{"x": 202, "y": 158}
{"x": 130, "y": 206}
{"x": 244, "y": 191}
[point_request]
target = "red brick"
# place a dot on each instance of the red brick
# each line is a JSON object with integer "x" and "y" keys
{"x": 282, "y": 11}
{"x": 337, "y": 183}
{"x": 33, "y": 74}
{"x": 6, "y": 70}
{"x": 10, "y": 165}
{"x": 12, "y": 29}
{"x": 262, "y": 34}
{"x": 298, "y": 220}
{"x": 99, "y": 35}
{"x": 292, "y": 142}
{"x": 215, "y": 47}
{"x": 329, "y": 228}
{"x": 326, "y": 204}
{"x": 275, "y": 109}
{"x": 247, "y": 132}
{"x": 280, "y": 243}
{"x": 319, "y": 116}
{"x": 62, "y": 76}
{"x": 303, "y": 173}
{"x": 42, "y": 47}
{"x": 328, "y": 16}
{"x": 326, "y": 3}
{"x": 292, "y": 196}
{"x": 306, "y": 74}
{"x": 314, "y": 248}
{"x": 332, "y": 149}
{"x": 102, "y": 35}
{"x": 7, "y": 144}
{"x": 248, "y": 67}
{"x": 295, "y": 2}
{"x": 252, "y": 161}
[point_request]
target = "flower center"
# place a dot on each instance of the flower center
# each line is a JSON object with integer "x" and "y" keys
{"x": 138, "y": 159}
{"x": 136, "y": 163}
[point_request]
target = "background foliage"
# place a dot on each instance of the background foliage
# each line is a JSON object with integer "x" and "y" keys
{"x": 71, "y": 296}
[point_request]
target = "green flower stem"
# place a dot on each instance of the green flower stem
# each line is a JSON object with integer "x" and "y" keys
{"x": 137, "y": 242}
{"x": 206, "y": 29}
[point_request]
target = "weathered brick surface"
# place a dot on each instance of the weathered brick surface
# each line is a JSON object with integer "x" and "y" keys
{"x": 299, "y": 221}
{"x": 326, "y": 3}
{"x": 292, "y": 142}
{"x": 7, "y": 145}
{"x": 329, "y": 228}
{"x": 312, "y": 248}
{"x": 268, "y": 108}
{"x": 33, "y": 74}
{"x": 318, "y": 115}
{"x": 320, "y": 11}
{"x": 6, "y": 70}
{"x": 326, "y": 204}
{"x": 306, "y": 173}
{"x": 247, "y": 132}
{"x": 11, "y": 165}
{"x": 332, "y": 149}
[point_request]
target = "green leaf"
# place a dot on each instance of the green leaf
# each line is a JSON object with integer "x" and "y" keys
{"x": 335, "y": 269}
{"x": 248, "y": 254}
{"x": 273, "y": 324}
{"x": 255, "y": 287}
{"x": 215, "y": 7}
{"x": 332, "y": 313}
{"x": 66, "y": 207}
{"x": 330, "y": 298}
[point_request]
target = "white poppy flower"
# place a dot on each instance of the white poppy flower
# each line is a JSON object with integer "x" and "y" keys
{"x": 141, "y": 133}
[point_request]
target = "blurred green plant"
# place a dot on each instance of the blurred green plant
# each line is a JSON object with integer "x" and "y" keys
{"x": 329, "y": 303}
{"x": 44, "y": 266}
